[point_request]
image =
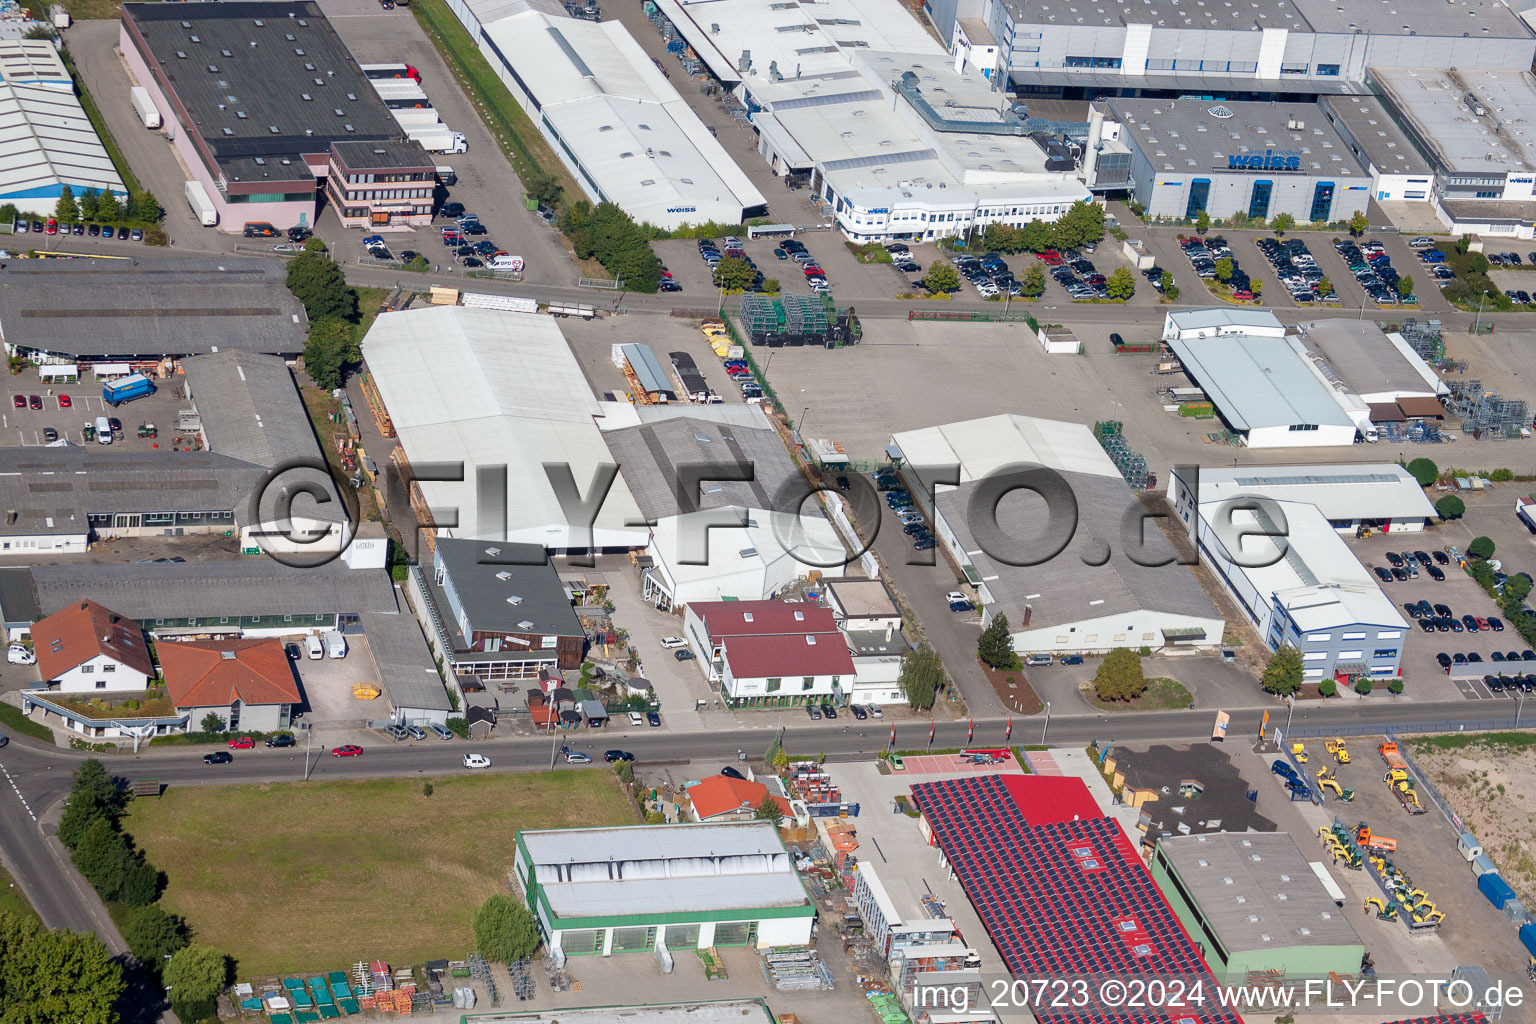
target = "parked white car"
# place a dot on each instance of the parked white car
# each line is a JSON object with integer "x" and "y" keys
{"x": 476, "y": 761}
{"x": 20, "y": 654}
{"x": 670, "y": 642}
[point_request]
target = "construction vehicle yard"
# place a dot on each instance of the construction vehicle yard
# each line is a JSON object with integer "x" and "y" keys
{"x": 1399, "y": 856}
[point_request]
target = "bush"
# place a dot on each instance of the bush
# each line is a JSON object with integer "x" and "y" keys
{"x": 1327, "y": 687}
{"x": 1424, "y": 471}
{"x": 1481, "y": 547}
{"x": 1363, "y": 687}
{"x": 1395, "y": 686}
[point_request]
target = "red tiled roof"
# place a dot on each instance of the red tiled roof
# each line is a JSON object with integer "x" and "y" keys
{"x": 762, "y": 657}
{"x": 762, "y": 618}
{"x": 721, "y": 794}
{"x": 1066, "y": 897}
{"x": 213, "y": 673}
{"x": 72, "y": 636}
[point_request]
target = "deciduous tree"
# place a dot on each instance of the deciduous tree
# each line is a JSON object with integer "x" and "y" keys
{"x": 1283, "y": 673}
{"x": 1120, "y": 676}
{"x": 504, "y": 929}
{"x": 922, "y": 673}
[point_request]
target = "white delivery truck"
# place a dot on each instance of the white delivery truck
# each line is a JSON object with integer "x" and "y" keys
{"x": 438, "y": 139}
{"x": 144, "y": 106}
{"x": 197, "y": 198}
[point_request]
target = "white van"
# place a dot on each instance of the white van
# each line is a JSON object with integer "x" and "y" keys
{"x": 335, "y": 644}
{"x": 312, "y": 647}
{"x": 103, "y": 430}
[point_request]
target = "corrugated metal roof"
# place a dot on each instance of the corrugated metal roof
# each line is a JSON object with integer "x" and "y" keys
{"x": 490, "y": 388}
{"x": 1259, "y": 382}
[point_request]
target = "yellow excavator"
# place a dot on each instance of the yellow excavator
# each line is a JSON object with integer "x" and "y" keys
{"x": 1331, "y": 785}
{"x": 1385, "y": 911}
{"x": 1299, "y": 752}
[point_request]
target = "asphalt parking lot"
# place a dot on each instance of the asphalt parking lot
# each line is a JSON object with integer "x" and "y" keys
{"x": 326, "y": 685}
{"x": 1458, "y": 592}
{"x": 28, "y": 426}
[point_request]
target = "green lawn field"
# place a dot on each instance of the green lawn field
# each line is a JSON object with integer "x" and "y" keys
{"x": 304, "y": 877}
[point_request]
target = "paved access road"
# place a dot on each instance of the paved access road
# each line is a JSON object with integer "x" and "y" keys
{"x": 41, "y": 775}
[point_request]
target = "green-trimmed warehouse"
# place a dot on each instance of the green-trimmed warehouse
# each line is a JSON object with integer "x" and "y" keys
{"x": 632, "y": 889}
{"x": 1252, "y": 903}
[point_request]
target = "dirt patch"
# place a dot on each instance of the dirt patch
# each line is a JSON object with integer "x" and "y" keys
{"x": 1490, "y": 781}
{"x": 1013, "y": 689}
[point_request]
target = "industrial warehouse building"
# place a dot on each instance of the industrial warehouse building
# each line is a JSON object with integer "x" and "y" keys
{"x": 624, "y": 132}
{"x": 47, "y": 138}
{"x": 1075, "y": 601}
{"x": 757, "y": 541}
{"x": 647, "y": 888}
{"x": 1261, "y": 381}
{"x": 1260, "y": 49}
{"x": 1312, "y": 593}
{"x": 1381, "y": 496}
{"x": 1057, "y": 885}
{"x": 1254, "y": 904}
{"x": 893, "y": 139}
{"x": 502, "y": 394}
{"x": 145, "y": 310}
{"x": 255, "y": 94}
{"x": 1193, "y": 156}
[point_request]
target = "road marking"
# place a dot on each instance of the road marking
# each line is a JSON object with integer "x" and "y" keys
{"x": 17, "y": 789}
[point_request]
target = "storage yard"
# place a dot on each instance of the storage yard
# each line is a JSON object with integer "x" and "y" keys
{"x": 377, "y": 869}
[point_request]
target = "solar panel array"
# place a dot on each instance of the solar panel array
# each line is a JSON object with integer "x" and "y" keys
{"x": 1061, "y": 900}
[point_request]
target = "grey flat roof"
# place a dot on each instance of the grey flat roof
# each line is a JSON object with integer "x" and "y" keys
{"x": 250, "y": 407}
{"x": 543, "y": 603}
{"x": 391, "y": 155}
{"x": 253, "y": 585}
{"x": 1066, "y": 588}
{"x": 1362, "y": 356}
{"x": 1377, "y": 134}
{"x": 242, "y": 69}
{"x": 79, "y": 480}
{"x": 405, "y": 665}
{"x": 1432, "y": 104}
{"x": 649, "y": 457}
{"x": 1399, "y": 17}
{"x": 1258, "y": 382}
{"x": 18, "y": 597}
{"x": 1257, "y": 891}
{"x": 150, "y": 306}
{"x": 1185, "y": 136}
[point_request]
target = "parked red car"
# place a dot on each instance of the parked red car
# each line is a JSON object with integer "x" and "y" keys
{"x": 348, "y": 750}
{"x": 241, "y": 743}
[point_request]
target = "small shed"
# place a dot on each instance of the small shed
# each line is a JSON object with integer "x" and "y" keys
{"x": 482, "y": 721}
{"x": 594, "y": 712}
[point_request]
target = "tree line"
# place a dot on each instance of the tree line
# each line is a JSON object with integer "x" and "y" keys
{"x": 91, "y": 829}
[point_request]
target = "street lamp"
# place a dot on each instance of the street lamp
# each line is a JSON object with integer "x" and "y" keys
{"x": 1046, "y": 727}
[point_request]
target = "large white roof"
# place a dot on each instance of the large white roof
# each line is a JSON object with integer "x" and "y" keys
{"x": 1317, "y": 578}
{"x": 492, "y": 388}
{"x": 1260, "y": 381}
{"x": 1373, "y": 490}
{"x": 981, "y": 446}
{"x": 644, "y": 147}
{"x": 46, "y": 142}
